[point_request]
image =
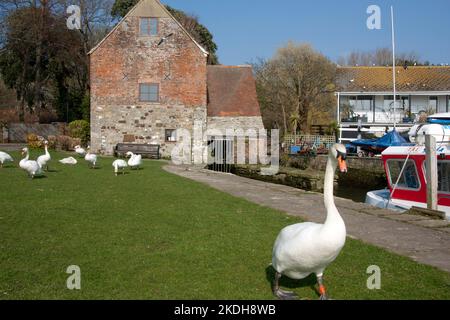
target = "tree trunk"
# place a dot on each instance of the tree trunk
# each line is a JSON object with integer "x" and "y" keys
{"x": 21, "y": 110}
{"x": 283, "y": 110}
{"x": 40, "y": 37}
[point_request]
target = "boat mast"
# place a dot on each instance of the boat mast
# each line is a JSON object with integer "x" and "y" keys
{"x": 393, "y": 65}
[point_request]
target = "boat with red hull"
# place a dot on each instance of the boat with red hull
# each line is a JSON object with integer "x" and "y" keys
{"x": 411, "y": 189}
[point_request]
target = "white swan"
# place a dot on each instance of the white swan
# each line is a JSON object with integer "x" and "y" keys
{"x": 119, "y": 164}
{"x": 31, "y": 166}
{"x": 69, "y": 160}
{"x": 4, "y": 157}
{"x": 135, "y": 160}
{"x": 44, "y": 159}
{"x": 90, "y": 157}
{"x": 80, "y": 151}
{"x": 305, "y": 248}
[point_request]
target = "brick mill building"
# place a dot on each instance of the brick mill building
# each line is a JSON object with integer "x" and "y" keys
{"x": 150, "y": 77}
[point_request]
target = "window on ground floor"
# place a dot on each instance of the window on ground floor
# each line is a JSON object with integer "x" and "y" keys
{"x": 171, "y": 135}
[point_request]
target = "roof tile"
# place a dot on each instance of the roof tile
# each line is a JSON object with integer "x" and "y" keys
{"x": 232, "y": 92}
{"x": 379, "y": 79}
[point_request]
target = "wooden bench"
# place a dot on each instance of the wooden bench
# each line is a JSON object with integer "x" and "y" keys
{"x": 146, "y": 150}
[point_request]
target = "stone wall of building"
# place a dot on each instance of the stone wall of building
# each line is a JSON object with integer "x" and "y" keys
{"x": 244, "y": 123}
{"x": 124, "y": 60}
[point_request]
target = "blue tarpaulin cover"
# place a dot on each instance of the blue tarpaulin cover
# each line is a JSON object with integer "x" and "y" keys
{"x": 392, "y": 138}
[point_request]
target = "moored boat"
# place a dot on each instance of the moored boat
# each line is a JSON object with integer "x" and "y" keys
{"x": 406, "y": 165}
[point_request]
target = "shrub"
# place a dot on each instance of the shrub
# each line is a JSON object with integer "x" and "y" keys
{"x": 67, "y": 143}
{"x": 80, "y": 129}
{"x": 52, "y": 142}
{"x": 34, "y": 141}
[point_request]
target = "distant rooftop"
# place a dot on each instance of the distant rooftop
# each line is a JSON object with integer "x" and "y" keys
{"x": 379, "y": 79}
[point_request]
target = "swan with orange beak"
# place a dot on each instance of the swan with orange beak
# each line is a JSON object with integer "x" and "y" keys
{"x": 305, "y": 248}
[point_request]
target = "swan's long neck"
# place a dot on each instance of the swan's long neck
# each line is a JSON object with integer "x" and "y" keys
{"x": 332, "y": 212}
{"x": 27, "y": 156}
{"x": 46, "y": 150}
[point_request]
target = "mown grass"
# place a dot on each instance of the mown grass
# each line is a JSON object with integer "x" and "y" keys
{"x": 152, "y": 235}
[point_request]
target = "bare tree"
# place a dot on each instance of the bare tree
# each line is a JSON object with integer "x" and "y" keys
{"x": 292, "y": 86}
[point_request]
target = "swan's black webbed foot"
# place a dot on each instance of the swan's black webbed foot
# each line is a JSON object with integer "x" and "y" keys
{"x": 285, "y": 295}
{"x": 282, "y": 294}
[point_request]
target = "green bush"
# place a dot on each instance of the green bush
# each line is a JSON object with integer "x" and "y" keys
{"x": 80, "y": 129}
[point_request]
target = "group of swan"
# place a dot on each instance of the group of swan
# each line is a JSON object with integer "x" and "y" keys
{"x": 31, "y": 166}
{"x": 36, "y": 167}
{"x": 91, "y": 158}
{"x": 305, "y": 248}
{"x": 134, "y": 162}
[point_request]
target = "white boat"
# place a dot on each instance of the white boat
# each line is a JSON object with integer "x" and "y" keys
{"x": 438, "y": 125}
{"x": 380, "y": 199}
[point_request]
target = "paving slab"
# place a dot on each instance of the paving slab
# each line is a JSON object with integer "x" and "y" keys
{"x": 407, "y": 217}
{"x": 371, "y": 225}
{"x": 432, "y": 223}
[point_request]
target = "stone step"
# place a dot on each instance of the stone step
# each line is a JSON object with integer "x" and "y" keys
{"x": 12, "y": 146}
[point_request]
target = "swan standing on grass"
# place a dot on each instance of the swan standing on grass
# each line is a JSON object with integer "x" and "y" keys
{"x": 44, "y": 159}
{"x": 80, "y": 151}
{"x": 119, "y": 164}
{"x": 4, "y": 157}
{"x": 305, "y": 248}
{"x": 90, "y": 157}
{"x": 31, "y": 166}
{"x": 135, "y": 160}
{"x": 69, "y": 160}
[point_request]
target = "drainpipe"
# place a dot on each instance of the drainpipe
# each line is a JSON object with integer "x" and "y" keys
{"x": 338, "y": 107}
{"x": 338, "y": 115}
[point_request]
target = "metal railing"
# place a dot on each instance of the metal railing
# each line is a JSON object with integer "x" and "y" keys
{"x": 308, "y": 142}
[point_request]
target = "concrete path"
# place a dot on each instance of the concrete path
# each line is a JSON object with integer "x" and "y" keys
{"x": 424, "y": 240}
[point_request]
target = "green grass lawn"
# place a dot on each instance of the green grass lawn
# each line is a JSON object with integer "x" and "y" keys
{"x": 152, "y": 235}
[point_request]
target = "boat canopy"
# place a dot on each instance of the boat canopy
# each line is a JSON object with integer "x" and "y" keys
{"x": 392, "y": 138}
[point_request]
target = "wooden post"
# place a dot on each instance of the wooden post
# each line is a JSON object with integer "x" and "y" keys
{"x": 431, "y": 168}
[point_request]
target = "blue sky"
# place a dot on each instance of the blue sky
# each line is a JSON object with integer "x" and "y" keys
{"x": 247, "y": 29}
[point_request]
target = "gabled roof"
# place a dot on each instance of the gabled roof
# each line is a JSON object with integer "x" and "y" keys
{"x": 154, "y": 5}
{"x": 231, "y": 92}
{"x": 379, "y": 79}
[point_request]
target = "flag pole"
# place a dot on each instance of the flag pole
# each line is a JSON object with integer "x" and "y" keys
{"x": 393, "y": 66}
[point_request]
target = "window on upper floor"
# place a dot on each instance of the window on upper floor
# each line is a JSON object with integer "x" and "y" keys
{"x": 148, "y": 26}
{"x": 149, "y": 92}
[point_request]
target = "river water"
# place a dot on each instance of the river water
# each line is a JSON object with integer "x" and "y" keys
{"x": 352, "y": 193}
